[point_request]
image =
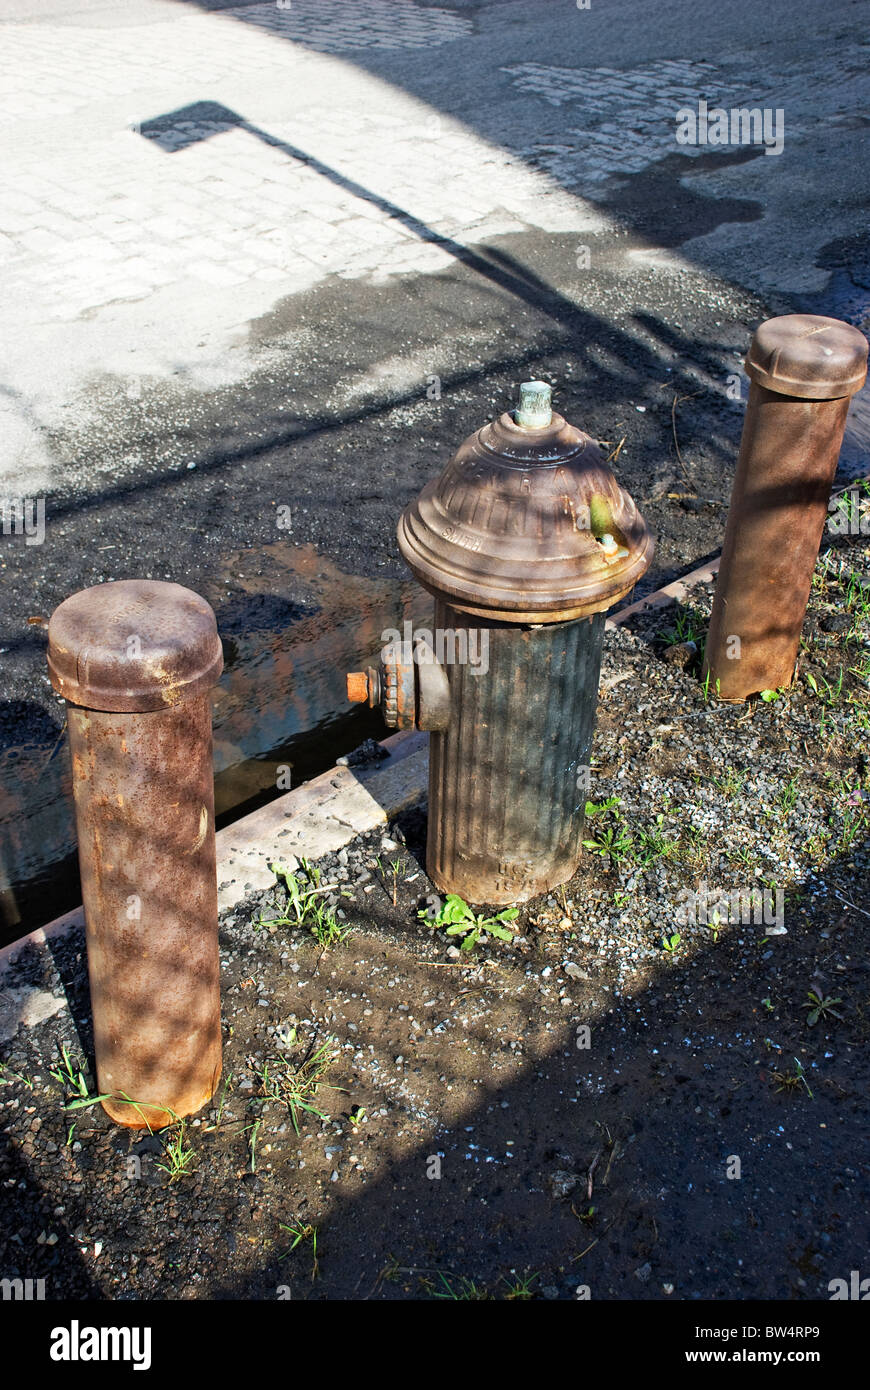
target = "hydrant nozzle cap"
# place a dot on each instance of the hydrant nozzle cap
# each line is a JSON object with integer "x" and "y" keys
{"x": 809, "y": 356}
{"x": 133, "y": 646}
{"x": 357, "y": 687}
{"x": 535, "y": 410}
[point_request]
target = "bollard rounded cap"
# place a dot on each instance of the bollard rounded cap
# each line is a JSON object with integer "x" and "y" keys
{"x": 808, "y": 355}
{"x": 526, "y": 525}
{"x": 133, "y": 646}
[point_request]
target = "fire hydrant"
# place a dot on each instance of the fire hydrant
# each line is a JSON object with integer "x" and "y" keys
{"x": 524, "y": 540}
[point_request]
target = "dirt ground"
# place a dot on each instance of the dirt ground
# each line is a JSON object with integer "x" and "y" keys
{"x": 466, "y": 1136}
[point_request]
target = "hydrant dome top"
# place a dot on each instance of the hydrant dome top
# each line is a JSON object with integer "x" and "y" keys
{"x": 133, "y": 645}
{"x": 808, "y": 355}
{"x": 512, "y": 529}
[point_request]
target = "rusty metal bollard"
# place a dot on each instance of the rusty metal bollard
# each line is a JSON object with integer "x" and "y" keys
{"x": 524, "y": 540}
{"x": 135, "y": 661}
{"x": 804, "y": 371}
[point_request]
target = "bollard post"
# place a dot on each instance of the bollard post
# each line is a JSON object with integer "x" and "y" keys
{"x": 135, "y": 660}
{"x": 804, "y": 369}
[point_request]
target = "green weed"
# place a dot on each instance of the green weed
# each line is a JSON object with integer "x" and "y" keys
{"x": 821, "y": 1007}
{"x": 295, "y": 1084}
{"x": 304, "y": 906}
{"x": 179, "y": 1154}
{"x": 459, "y": 919}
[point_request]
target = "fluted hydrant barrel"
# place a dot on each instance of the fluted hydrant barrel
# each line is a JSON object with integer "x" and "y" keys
{"x": 524, "y": 540}
{"x": 135, "y": 661}
{"x": 804, "y": 369}
{"x": 509, "y": 776}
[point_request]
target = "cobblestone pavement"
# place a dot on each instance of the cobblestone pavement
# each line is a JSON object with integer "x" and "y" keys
{"x": 110, "y": 218}
{"x": 169, "y": 171}
{"x": 333, "y": 26}
{"x": 151, "y": 169}
{"x": 621, "y": 121}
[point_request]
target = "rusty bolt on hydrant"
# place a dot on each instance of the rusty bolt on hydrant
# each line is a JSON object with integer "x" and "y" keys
{"x": 804, "y": 369}
{"x": 524, "y": 540}
{"x": 135, "y": 661}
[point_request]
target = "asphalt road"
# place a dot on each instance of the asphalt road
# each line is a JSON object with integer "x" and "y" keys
{"x": 260, "y": 256}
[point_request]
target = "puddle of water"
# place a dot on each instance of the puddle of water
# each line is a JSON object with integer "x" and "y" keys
{"x": 36, "y": 833}
{"x": 292, "y": 624}
{"x": 291, "y": 632}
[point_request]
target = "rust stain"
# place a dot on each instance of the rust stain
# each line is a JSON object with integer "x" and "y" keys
{"x": 154, "y": 972}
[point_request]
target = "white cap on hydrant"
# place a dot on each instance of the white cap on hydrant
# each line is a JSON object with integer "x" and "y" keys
{"x": 535, "y": 410}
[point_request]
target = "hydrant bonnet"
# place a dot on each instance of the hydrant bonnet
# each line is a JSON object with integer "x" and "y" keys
{"x": 512, "y": 529}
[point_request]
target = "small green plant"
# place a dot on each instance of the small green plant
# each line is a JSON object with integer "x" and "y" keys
{"x": 861, "y": 671}
{"x": 518, "y": 1289}
{"x": 788, "y": 796}
{"x": 459, "y": 919}
{"x": 8, "y": 1077}
{"x": 178, "y": 1152}
{"x": 70, "y": 1076}
{"x": 653, "y": 844}
{"x": 824, "y": 691}
{"x": 860, "y": 716}
{"x": 223, "y": 1100}
{"x": 392, "y": 1272}
{"x": 598, "y": 808}
{"x": 769, "y": 696}
{"x": 671, "y": 943}
{"x": 817, "y": 845}
{"x": 325, "y": 928}
{"x": 689, "y": 626}
{"x": 693, "y": 846}
{"x": 820, "y": 1007}
{"x": 732, "y": 783}
{"x": 705, "y": 688}
{"x": 304, "y": 906}
{"x": 397, "y": 867}
{"x": 609, "y": 837}
{"x": 791, "y": 1080}
{"x": 767, "y": 1005}
{"x": 611, "y": 842}
{"x": 253, "y": 1130}
{"x": 295, "y": 1084}
{"x": 856, "y": 594}
{"x": 301, "y": 1233}
{"x": 461, "y": 1290}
